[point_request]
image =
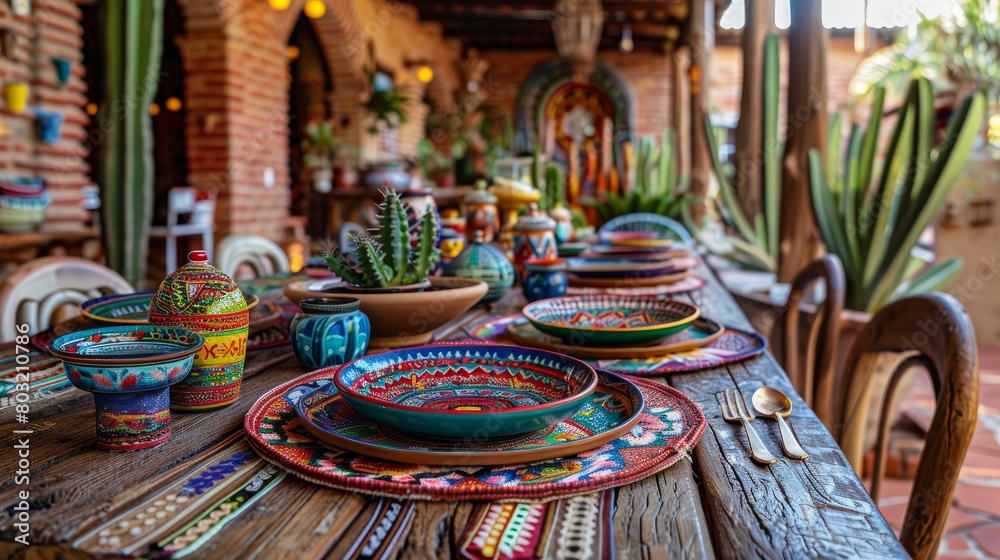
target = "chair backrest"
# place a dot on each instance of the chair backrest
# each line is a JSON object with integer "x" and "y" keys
{"x": 36, "y": 291}
{"x": 263, "y": 255}
{"x": 647, "y": 221}
{"x": 819, "y": 327}
{"x": 930, "y": 332}
{"x": 180, "y": 200}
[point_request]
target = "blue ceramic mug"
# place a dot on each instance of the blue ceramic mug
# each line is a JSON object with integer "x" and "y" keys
{"x": 545, "y": 278}
{"x": 330, "y": 331}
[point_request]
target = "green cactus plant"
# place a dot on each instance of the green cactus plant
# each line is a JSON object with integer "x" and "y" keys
{"x": 388, "y": 259}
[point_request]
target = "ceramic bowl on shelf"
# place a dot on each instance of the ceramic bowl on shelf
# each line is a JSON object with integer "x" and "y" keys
{"x": 129, "y": 370}
{"x": 610, "y": 320}
{"x": 458, "y": 391}
{"x": 129, "y": 309}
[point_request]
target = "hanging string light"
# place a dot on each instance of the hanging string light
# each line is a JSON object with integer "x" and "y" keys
{"x": 626, "y": 45}
{"x": 279, "y": 4}
{"x": 315, "y": 9}
{"x": 425, "y": 74}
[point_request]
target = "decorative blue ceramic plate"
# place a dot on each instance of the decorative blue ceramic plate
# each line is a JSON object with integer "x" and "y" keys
{"x": 466, "y": 390}
{"x": 612, "y": 410}
{"x": 129, "y": 309}
{"x": 625, "y": 268}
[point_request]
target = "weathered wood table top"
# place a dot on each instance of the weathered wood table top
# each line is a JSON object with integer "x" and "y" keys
{"x": 719, "y": 504}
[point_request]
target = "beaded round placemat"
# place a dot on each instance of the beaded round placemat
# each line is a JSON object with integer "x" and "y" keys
{"x": 668, "y": 428}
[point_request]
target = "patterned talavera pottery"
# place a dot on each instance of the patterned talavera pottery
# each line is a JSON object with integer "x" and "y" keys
{"x": 544, "y": 279}
{"x": 466, "y": 390}
{"x": 609, "y": 412}
{"x": 534, "y": 238}
{"x": 405, "y": 318}
{"x": 452, "y": 243}
{"x": 329, "y": 331}
{"x": 480, "y": 261}
{"x": 129, "y": 370}
{"x": 129, "y": 309}
{"x": 418, "y": 202}
{"x": 481, "y": 214}
{"x": 610, "y": 320}
{"x": 199, "y": 297}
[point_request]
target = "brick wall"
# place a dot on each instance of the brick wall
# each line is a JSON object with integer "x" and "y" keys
{"x": 52, "y": 30}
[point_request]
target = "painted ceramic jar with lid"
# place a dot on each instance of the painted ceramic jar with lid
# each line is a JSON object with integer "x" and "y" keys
{"x": 199, "y": 297}
{"x": 534, "y": 238}
{"x": 481, "y": 214}
{"x": 329, "y": 331}
{"x": 481, "y": 261}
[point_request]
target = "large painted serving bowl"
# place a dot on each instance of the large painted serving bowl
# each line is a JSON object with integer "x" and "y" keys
{"x": 610, "y": 320}
{"x": 466, "y": 391}
{"x": 129, "y": 309}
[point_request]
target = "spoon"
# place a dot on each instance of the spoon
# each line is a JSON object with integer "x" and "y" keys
{"x": 774, "y": 403}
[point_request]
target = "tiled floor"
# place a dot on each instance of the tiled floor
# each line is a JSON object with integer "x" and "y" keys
{"x": 974, "y": 522}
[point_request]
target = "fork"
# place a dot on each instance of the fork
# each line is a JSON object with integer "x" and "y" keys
{"x": 734, "y": 409}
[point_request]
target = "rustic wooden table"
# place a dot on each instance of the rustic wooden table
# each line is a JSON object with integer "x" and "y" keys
{"x": 719, "y": 504}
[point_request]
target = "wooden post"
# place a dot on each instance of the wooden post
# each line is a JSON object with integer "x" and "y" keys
{"x": 798, "y": 239}
{"x": 748, "y": 180}
{"x": 681, "y": 107}
{"x": 701, "y": 42}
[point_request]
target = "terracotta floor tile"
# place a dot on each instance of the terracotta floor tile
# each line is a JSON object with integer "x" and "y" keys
{"x": 979, "y": 498}
{"x": 959, "y": 520}
{"x": 988, "y": 539}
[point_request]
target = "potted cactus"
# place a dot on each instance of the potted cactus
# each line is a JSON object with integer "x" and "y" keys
{"x": 388, "y": 261}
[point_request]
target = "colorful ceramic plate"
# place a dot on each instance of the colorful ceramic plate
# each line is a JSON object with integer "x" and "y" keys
{"x": 627, "y": 283}
{"x": 126, "y": 345}
{"x": 609, "y": 412}
{"x": 572, "y": 249}
{"x": 276, "y": 335}
{"x": 644, "y": 242}
{"x": 610, "y": 320}
{"x": 129, "y": 309}
{"x": 466, "y": 390}
{"x": 43, "y": 372}
{"x": 702, "y": 333}
{"x": 668, "y": 429}
{"x": 734, "y": 345}
{"x": 264, "y": 316}
{"x": 688, "y": 283}
{"x": 625, "y": 268}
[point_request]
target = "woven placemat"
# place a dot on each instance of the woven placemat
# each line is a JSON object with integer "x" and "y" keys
{"x": 668, "y": 430}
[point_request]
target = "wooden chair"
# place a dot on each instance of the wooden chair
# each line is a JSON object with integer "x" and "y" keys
{"x": 930, "y": 332}
{"x": 263, "y": 255}
{"x": 813, "y": 330}
{"x": 812, "y": 366}
{"x": 35, "y": 292}
{"x": 183, "y": 200}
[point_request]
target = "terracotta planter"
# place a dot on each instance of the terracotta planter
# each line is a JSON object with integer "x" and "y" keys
{"x": 407, "y": 319}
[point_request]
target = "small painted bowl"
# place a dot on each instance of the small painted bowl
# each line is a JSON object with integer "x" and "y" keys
{"x": 129, "y": 309}
{"x": 610, "y": 320}
{"x": 457, "y": 391}
{"x": 129, "y": 370}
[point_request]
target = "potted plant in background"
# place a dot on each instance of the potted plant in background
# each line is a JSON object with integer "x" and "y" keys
{"x": 390, "y": 275}
{"x": 320, "y": 147}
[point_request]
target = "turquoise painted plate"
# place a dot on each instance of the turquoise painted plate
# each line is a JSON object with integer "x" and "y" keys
{"x": 129, "y": 309}
{"x": 610, "y": 320}
{"x": 611, "y": 411}
{"x": 459, "y": 391}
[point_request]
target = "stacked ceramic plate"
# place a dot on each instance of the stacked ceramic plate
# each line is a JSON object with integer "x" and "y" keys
{"x": 469, "y": 404}
{"x": 22, "y": 204}
{"x": 630, "y": 260}
{"x": 133, "y": 309}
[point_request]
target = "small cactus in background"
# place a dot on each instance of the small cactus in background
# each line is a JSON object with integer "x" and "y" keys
{"x": 387, "y": 259}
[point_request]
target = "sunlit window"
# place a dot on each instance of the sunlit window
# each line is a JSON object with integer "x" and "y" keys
{"x": 849, "y": 13}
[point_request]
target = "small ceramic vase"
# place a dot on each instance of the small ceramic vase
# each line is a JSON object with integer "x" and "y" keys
{"x": 63, "y": 68}
{"x": 199, "y": 297}
{"x": 545, "y": 279}
{"x": 16, "y": 97}
{"x": 534, "y": 238}
{"x": 480, "y": 261}
{"x": 49, "y": 125}
{"x": 329, "y": 331}
{"x": 564, "y": 223}
{"x": 481, "y": 214}
{"x": 452, "y": 243}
